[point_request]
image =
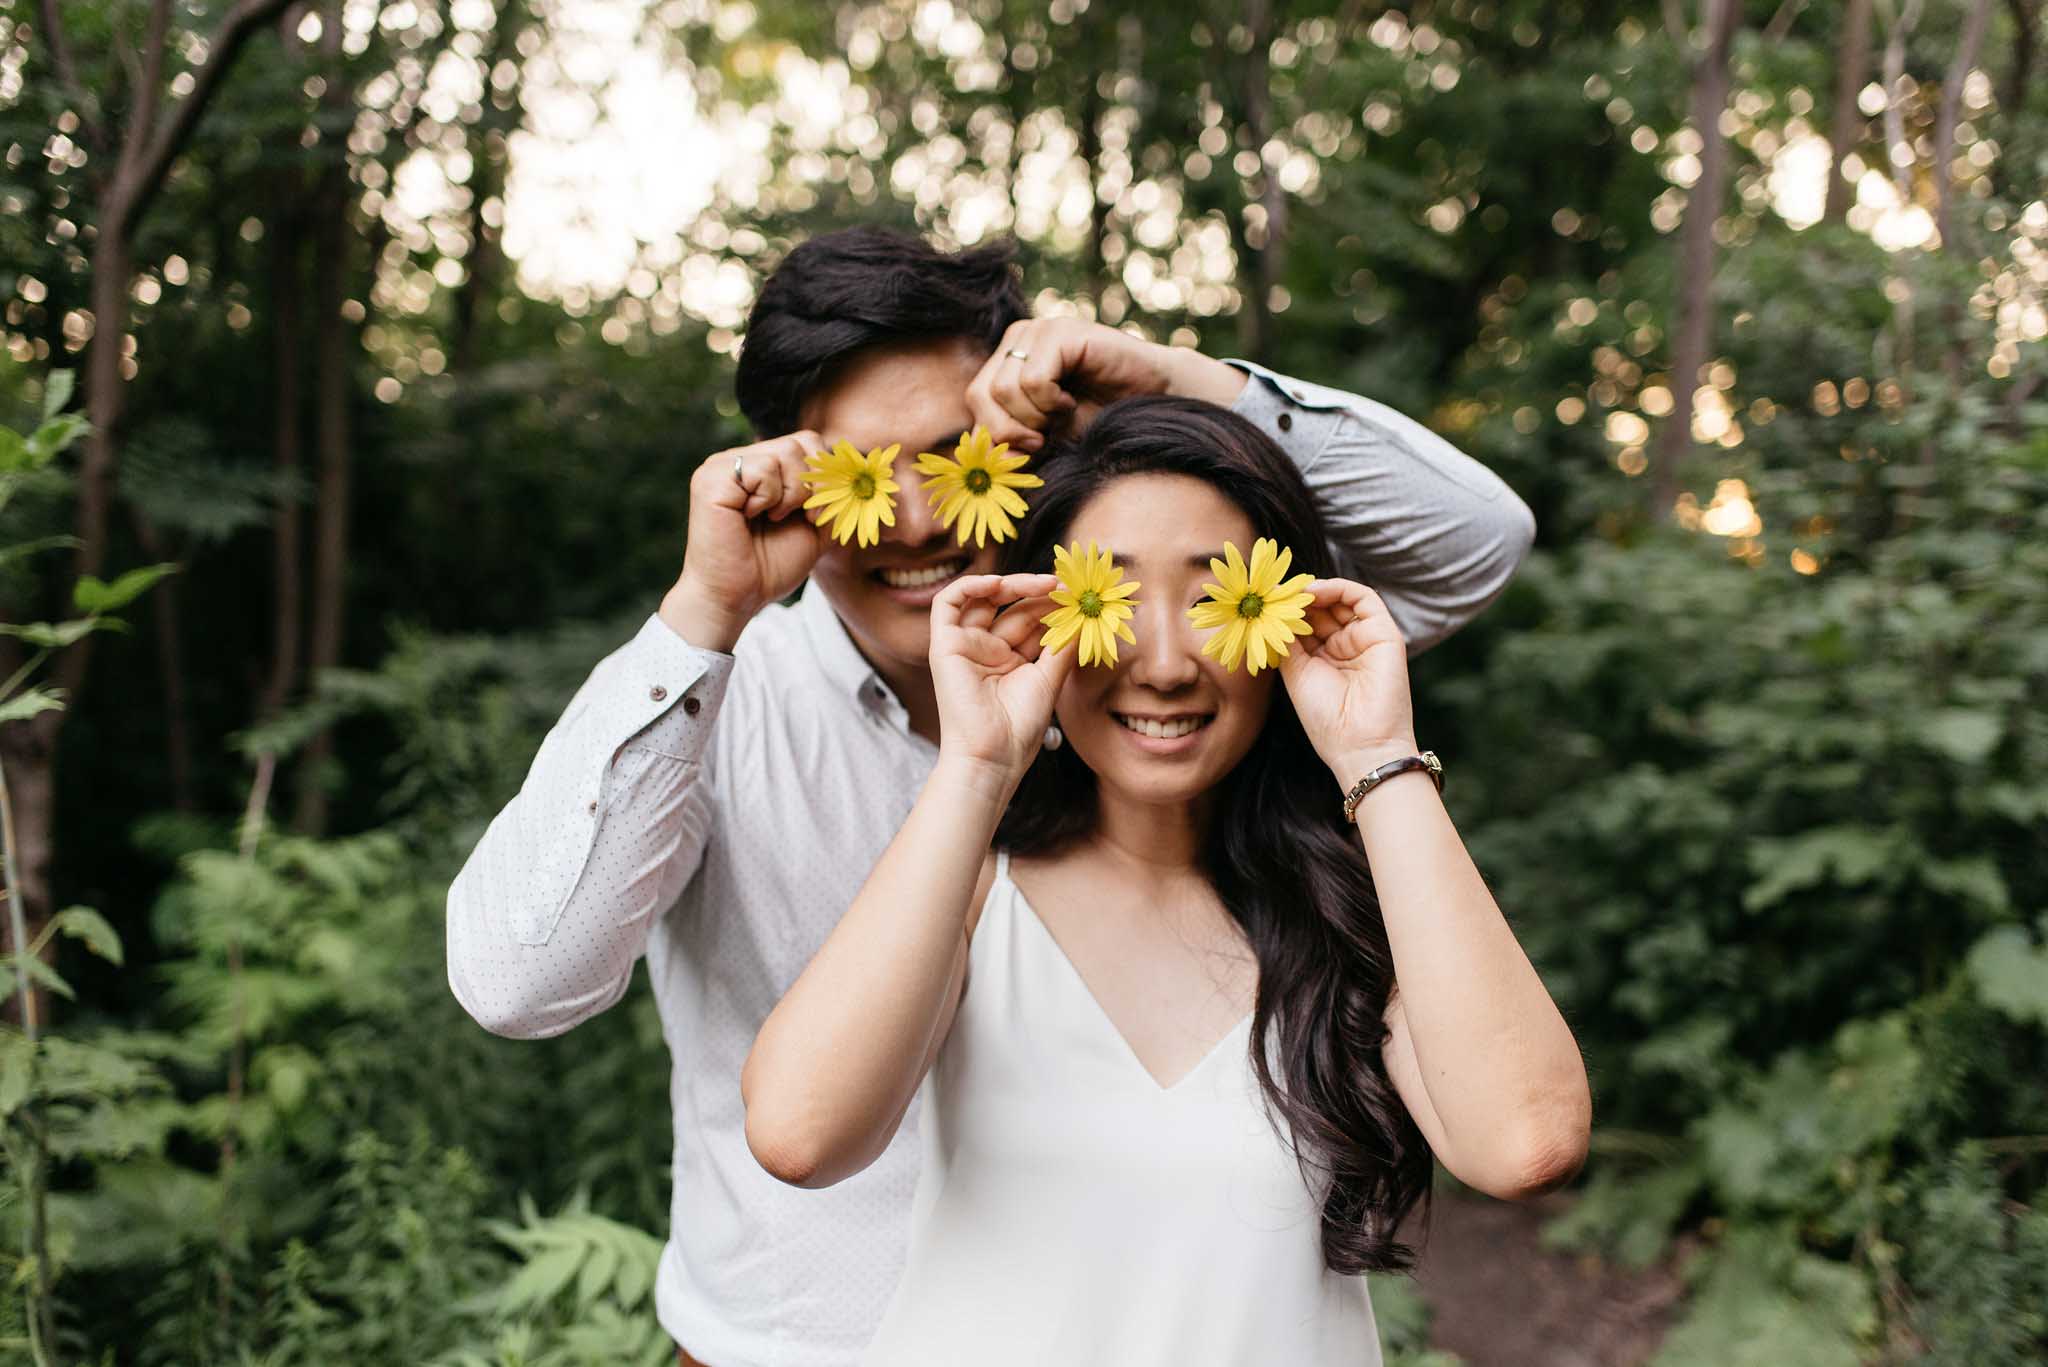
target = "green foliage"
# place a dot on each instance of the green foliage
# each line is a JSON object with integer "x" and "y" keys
{"x": 1776, "y": 840}
{"x": 583, "y": 1296}
{"x": 1981, "y": 1266}
{"x": 1402, "y": 1318}
{"x": 1760, "y": 1302}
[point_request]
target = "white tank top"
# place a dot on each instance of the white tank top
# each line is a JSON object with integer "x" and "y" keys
{"x": 1072, "y": 1211}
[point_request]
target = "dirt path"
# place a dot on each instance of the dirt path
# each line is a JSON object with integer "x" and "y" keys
{"x": 1502, "y": 1300}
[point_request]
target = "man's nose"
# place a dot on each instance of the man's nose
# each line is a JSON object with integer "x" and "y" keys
{"x": 916, "y": 523}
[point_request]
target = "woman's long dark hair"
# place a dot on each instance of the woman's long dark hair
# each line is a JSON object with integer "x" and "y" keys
{"x": 1280, "y": 855}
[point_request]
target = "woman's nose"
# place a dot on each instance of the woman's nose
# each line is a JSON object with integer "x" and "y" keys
{"x": 1166, "y": 655}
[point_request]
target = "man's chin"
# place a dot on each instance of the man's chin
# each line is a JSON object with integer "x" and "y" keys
{"x": 892, "y": 629}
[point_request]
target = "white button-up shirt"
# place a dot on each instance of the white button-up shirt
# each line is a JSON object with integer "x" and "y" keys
{"x": 718, "y": 813}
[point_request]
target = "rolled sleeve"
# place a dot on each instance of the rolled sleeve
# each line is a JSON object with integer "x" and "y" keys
{"x": 1433, "y": 531}
{"x": 534, "y": 946}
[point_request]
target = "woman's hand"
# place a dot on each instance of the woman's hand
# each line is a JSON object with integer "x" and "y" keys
{"x": 1349, "y": 681}
{"x": 996, "y": 686}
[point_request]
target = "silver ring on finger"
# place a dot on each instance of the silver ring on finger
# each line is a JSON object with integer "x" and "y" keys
{"x": 1019, "y": 352}
{"x": 738, "y": 469}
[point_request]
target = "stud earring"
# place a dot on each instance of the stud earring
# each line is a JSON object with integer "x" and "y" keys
{"x": 1053, "y": 739}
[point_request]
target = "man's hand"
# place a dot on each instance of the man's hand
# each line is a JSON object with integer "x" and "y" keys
{"x": 1071, "y": 368}
{"x": 745, "y": 549}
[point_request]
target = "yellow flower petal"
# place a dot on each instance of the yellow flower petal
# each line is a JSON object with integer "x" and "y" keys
{"x": 1091, "y": 575}
{"x": 1262, "y": 639}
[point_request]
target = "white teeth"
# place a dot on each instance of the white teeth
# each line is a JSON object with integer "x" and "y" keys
{"x": 1162, "y": 730}
{"x": 924, "y": 578}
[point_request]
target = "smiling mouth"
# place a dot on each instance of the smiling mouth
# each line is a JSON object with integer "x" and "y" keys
{"x": 1163, "y": 728}
{"x": 921, "y": 576}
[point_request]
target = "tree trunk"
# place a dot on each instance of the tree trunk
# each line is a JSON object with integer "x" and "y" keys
{"x": 1694, "y": 305}
{"x": 1261, "y": 254}
{"x": 331, "y": 440}
{"x": 29, "y": 748}
{"x": 287, "y": 348}
{"x": 1090, "y": 149}
{"x": 26, "y": 750}
{"x": 1950, "y": 113}
{"x": 332, "y": 355}
{"x": 1852, "y": 71}
{"x": 170, "y": 661}
{"x": 2026, "y": 24}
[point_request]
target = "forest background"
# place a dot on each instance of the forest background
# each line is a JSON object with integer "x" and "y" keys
{"x": 356, "y": 353}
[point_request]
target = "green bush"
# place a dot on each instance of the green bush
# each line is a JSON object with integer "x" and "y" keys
{"x": 1777, "y": 841}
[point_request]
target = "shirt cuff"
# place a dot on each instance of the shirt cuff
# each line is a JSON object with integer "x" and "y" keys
{"x": 1301, "y": 418}
{"x": 676, "y": 689}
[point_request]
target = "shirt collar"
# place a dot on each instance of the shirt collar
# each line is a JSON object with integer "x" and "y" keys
{"x": 844, "y": 665}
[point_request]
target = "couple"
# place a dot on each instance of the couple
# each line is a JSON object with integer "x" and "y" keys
{"x": 1176, "y": 1097}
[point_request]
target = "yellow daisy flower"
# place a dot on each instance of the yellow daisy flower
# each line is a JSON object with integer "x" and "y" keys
{"x": 978, "y": 486}
{"x": 1092, "y": 604}
{"x": 1256, "y": 610}
{"x": 854, "y": 490}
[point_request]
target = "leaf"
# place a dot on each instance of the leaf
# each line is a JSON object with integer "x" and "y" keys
{"x": 38, "y": 971}
{"x": 597, "y": 1273}
{"x": 57, "y": 391}
{"x": 29, "y": 702}
{"x": 54, "y": 635}
{"x": 288, "y": 1075}
{"x": 541, "y": 1279}
{"x": 1850, "y": 855}
{"x": 1974, "y": 880}
{"x": 95, "y": 596}
{"x": 1964, "y": 735}
{"x": 23, "y": 549}
{"x": 17, "y": 1057}
{"x": 83, "y": 923}
{"x": 2010, "y": 972}
{"x": 55, "y": 437}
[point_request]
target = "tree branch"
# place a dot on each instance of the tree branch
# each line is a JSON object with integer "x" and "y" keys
{"x": 150, "y": 168}
{"x": 1950, "y": 114}
{"x": 1781, "y": 22}
{"x": 149, "y": 80}
{"x": 1674, "y": 24}
{"x": 67, "y": 71}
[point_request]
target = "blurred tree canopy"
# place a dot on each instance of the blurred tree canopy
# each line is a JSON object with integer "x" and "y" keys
{"x": 398, "y": 325}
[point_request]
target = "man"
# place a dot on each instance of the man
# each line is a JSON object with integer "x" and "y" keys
{"x": 721, "y": 785}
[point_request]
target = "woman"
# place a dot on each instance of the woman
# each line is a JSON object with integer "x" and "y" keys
{"x": 1187, "y": 1036}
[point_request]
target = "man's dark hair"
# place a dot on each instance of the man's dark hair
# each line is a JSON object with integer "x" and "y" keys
{"x": 842, "y": 292}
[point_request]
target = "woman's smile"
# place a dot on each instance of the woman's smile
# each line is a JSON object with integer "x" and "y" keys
{"x": 1164, "y": 733}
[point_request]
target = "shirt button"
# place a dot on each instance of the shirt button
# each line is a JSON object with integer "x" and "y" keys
{"x": 657, "y": 692}
{"x": 1286, "y": 421}
{"x": 690, "y": 705}
{"x": 592, "y": 808}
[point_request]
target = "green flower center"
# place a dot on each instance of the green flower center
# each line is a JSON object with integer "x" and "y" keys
{"x": 978, "y": 481}
{"x": 1090, "y": 603}
{"x": 863, "y": 485}
{"x": 1251, "y": 605}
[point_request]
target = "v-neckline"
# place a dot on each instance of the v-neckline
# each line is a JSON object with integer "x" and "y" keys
{"x": 1102, "y": 1012}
